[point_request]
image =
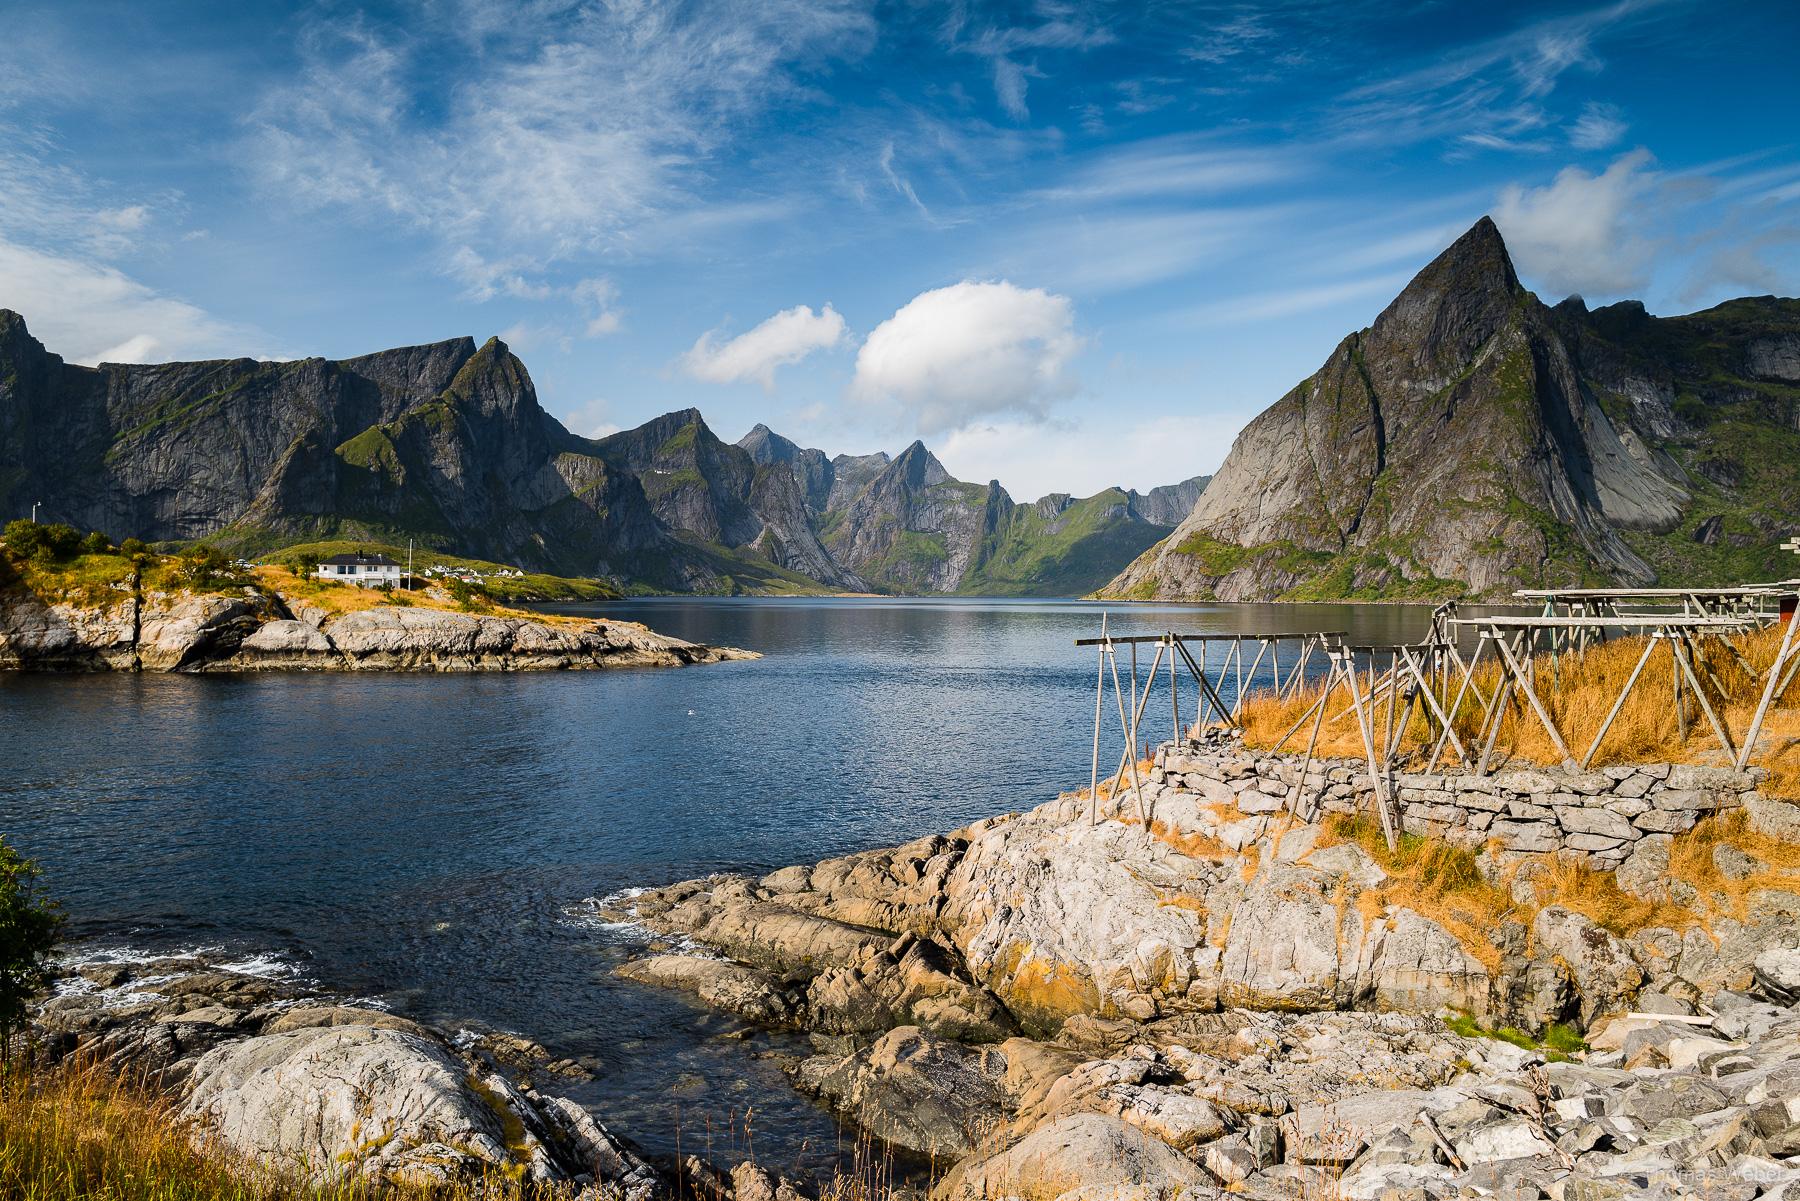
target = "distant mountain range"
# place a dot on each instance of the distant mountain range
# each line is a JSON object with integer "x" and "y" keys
{"x": 447, "y": 444}
{"x": 1474, "y": 440}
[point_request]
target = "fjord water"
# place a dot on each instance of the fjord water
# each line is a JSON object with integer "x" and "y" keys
{"x": 429, "y": 840}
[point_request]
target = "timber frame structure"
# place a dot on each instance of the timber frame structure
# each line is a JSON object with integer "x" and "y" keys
{"x": 1388, "y": 684}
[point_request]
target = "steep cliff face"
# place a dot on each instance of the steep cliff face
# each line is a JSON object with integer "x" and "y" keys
{"x": 444, "y": 443}
{"x": 915, "y": 529}
{"x": 812, "y": 470}
{"x": 1170, "y": 504}
{"x": 1064, "y": 546}
{"x": 721, "y": 494}
{"x": 1470, "y": 441}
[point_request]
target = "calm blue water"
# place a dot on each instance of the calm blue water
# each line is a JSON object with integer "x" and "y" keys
{"x": 423, "y": 839}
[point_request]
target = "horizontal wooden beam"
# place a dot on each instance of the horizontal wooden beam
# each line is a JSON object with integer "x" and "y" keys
{"x": 1123, "y": 639}
{"x": 1646, "y": 621}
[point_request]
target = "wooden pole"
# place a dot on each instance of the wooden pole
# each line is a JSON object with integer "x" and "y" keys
{"x": 1497, "y": 715}
{"x": 1770, "y": 692}
{"x": 1253, "y": 666}
{"x": 1137, "y": 715}
{"x": 1377, "y": 781}
{"x": 1199, "y": 670}
{"x": 1693, "y": 680}
{"x": 1298, "y": 804}
{"x": 1538, "y": 706}
{"x": 1456, "y": 706}
{"x": 1174, "y": 697}
{"x": 1294, "y": 729}
{"x": 1649, "y": 648}
{"x": 1431, "y": 703}
{"x": 1675, "y": 687}
{"x": 1099, "y": 693}
{"x": 1125, "y": 728}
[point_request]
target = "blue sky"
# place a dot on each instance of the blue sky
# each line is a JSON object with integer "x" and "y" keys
{"x": 1068, "y": 244}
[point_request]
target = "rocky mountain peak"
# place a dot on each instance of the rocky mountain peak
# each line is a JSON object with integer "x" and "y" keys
{"x": 14, "y": 337}
{"x": 918, "y": 467}
{"x": 765, "y": 446}
{"x": 1453, "y": 307}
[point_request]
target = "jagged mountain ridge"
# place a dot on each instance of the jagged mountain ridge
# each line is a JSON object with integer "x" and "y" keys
{"x": 906, "y": 525}
{"x": 1473, "y": 440}
{"x": 446, "y": 443}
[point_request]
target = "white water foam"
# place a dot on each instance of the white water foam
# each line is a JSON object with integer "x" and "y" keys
{"x": 143, "y": 989}
{"x": 587, "y": 914}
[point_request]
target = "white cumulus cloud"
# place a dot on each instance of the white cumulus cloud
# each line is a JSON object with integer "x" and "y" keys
{"x": 971, "y": 350}
{"x": 1580, "y": 233}
{"x": 781, "y": 341}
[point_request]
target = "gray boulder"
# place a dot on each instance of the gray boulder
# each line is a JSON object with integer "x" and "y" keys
{"x": 360, "y": 1100}
{"x": 1081, "y": 1151}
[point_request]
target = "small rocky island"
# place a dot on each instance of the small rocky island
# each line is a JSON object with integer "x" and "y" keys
{"x": 104, "y": 609}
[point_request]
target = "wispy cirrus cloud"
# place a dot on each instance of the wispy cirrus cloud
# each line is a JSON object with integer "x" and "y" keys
{"x": 1491, "y": 94}
{"x": 1011, "y": 49}
{"x": 1600, "y": 126}
{"x": 576, "y": 130}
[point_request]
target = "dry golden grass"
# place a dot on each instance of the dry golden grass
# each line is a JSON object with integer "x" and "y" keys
{"x": 78, "y": 1132}
{"x": 338, "y": 599}
{"x": 1578, "y": 689}
{"x": 1444, "y": 883}
{"x": 1432, "y": 878}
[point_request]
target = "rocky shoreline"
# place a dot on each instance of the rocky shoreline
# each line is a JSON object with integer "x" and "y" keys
{"x": 1069, "y": 1000}
{"x": 1088, "y": 1001}
{"x": 280, "y": 1073}
{"x": 259, "y": 631}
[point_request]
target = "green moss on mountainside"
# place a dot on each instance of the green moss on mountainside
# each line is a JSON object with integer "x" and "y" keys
{"x": 1071, "y": 554}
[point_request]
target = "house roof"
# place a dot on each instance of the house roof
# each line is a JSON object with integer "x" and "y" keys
{"x": 359, "y": 561}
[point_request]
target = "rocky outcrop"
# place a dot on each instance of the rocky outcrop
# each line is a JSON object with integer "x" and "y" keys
{"x": 1228, "y": 1000}
{"x": 1472, "y": 441}
{"x": 294, "y": 1081}
{"x": 254, "y": 631}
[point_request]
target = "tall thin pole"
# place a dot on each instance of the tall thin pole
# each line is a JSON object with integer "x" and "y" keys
{"x": 1099, "y": 691}
{"x": 1174, "y": 695}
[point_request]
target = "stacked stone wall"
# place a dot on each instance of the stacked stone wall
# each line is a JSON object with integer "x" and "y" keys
{"x": 1599, "y": 814}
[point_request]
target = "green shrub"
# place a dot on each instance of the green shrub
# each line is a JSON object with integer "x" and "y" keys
{"x": 29, "y": 923}
{"x": 469, "y": 597}
{"x": 43, "y": 542}
{"x": 131, "y": 548}
{"x": 95, "y": 543}
{"x": 201, "y": 567}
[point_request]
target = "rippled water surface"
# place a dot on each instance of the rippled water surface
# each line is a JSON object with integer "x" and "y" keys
{"x": 429, "y": 839}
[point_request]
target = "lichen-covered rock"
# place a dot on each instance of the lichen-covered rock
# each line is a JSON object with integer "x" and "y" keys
{"x": 334, "y": 1099}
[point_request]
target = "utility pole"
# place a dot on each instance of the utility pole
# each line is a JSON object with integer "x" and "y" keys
{"x": 34, "y": 509}
{"x": 409, "y": 546}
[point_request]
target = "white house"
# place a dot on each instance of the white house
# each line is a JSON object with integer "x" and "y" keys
{"x": 368, "y": 570}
